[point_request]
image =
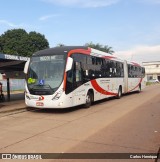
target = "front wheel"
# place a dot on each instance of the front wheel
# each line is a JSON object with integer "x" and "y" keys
{"x": 88, "y": 100}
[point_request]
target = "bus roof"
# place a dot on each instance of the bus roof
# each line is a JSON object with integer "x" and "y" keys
{"x": 58, "y": 50}
{"x": 93, "y": 52}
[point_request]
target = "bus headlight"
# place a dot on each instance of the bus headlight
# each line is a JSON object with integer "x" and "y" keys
{"x": 57, "y": 95}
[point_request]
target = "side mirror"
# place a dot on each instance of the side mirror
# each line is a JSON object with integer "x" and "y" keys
{"x": 69, "y": 64}
{"x": 26, "y": 66}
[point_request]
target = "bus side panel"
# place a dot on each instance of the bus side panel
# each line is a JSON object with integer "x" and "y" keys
{"x": 79, "y": 95}
{"x": 143, "y": 83}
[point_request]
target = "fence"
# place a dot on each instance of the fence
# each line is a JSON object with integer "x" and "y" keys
{"x": 15, "y": 84}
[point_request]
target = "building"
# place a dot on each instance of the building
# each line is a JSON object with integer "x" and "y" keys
{"x": 12, "y": 66}
{"x": 152, "y": 70}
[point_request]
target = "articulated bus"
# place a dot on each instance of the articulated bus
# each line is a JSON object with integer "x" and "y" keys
{"x": 68, "y": 76}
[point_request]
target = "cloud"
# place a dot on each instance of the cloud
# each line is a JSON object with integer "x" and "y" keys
{"x": 46, "y": 17}
{"x": 12, "y": 25}
{"x": 83, "y": 3}
{"x": 7, "y": 23}
{"x": 154, "y": 2}
{"x": 141, "y": 54}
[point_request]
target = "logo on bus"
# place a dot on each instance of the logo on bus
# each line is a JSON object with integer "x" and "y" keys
{"x": 41, "y": 82}
{"x": 38, "y": 98}
{"x": 41, "y": 98}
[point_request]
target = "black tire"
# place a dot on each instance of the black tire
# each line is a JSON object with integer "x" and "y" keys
{"x": 88, "y": 100}
{"x": 119, "y": 94}
{"x": 139, "y": 89}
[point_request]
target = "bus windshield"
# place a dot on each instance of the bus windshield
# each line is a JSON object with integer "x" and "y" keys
{"x": 46, "y": 72}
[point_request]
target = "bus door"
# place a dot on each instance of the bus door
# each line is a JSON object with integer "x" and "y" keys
{"x": 125, "y": 77}
{"x": 79, "y": 92}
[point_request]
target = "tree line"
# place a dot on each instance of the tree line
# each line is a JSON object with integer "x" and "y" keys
{"x": 19, "y": 42}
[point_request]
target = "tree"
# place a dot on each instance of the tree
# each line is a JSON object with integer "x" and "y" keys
{"x": 100, "y": 47}
{"x": 37, "y": 42}
{"x": 19, "y": 42}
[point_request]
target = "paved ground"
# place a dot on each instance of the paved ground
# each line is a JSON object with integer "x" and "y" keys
{"x": 128, "y": 125}
{"x": 16, "y": 103}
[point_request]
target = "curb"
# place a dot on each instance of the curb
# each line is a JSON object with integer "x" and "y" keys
{"x": 12, "y": 110}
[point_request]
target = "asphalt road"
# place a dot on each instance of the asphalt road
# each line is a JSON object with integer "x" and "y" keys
{"x": 129, "y": 125}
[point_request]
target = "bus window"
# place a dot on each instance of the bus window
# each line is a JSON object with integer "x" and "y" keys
{"x": 122, "y": 70}
{"x": 143, "y": 72}
{"x": 129, "y": 71}
{"x": 78, "y": 74}
{"x": 93, "y": 60}
{"x": 89, "y": 60}
{"x": 119, "y": 67}
{"x": 113, "y": 69}
{"x": 103, "y": 68}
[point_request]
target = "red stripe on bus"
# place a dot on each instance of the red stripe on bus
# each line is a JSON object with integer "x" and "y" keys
{"x": 65, "y": 79}
{"x": 136, "y": 85}
{"x": 100, "y": 89}
{"x": 109, "y": 57}
{"x": 136, "y": 64}
{"x": 82, "y": 51}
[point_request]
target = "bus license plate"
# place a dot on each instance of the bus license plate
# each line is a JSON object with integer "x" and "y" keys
{"x": 39, "y": 104}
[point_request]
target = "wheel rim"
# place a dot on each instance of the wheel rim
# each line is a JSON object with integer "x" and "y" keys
{"x": 88, "y": 99}
{"x": 119, "y": 93}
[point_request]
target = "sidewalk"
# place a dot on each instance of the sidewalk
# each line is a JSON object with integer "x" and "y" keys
{"x": 17, "y": 103}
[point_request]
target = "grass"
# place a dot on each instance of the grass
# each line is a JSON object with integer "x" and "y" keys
{"x": 149, "y": 83}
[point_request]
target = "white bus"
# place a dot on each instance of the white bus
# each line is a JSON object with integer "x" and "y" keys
{"x": 68, "y": 76}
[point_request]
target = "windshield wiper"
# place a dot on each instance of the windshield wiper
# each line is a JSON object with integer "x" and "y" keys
{"x": 45, "y": 87}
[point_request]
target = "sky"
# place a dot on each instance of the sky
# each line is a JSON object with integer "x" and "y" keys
{"x": 130, "y": 27}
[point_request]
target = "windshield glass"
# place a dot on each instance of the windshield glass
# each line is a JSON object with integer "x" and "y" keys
{"x": 46, "y": 73}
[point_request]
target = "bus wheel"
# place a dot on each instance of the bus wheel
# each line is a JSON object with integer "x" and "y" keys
{"x": 139, "y": 88}
{"x": 88, "y": 100}
{"x": 119, "y": 94}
